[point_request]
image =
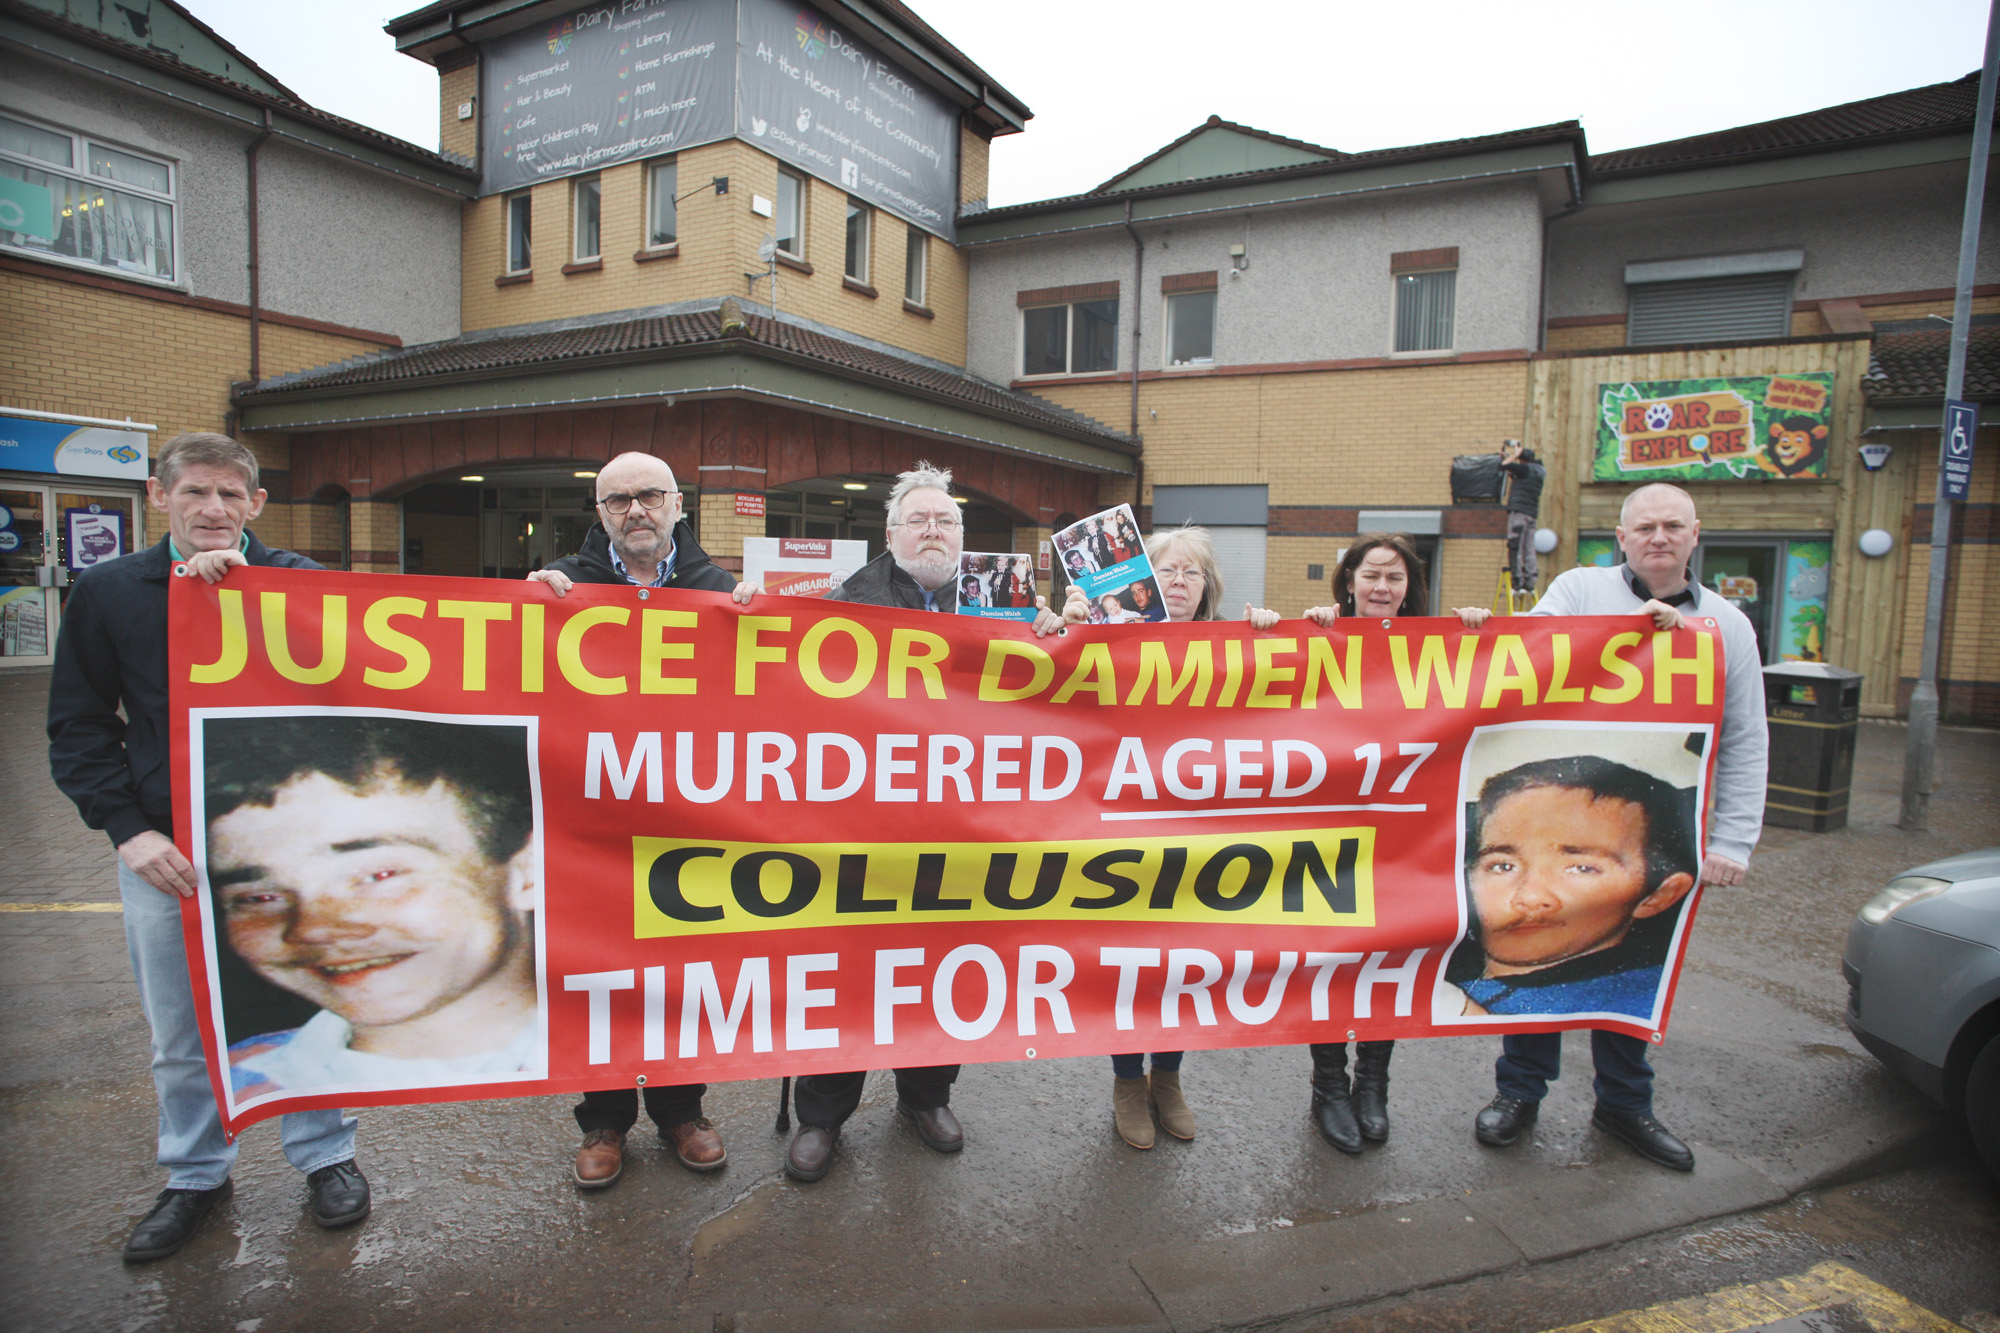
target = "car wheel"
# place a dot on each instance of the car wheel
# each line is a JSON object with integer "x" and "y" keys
{"x": 1982, "y": 1105}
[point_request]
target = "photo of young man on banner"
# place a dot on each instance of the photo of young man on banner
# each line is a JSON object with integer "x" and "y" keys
{"x": 373, "y": 883}
{"x": 1581, "y": 852}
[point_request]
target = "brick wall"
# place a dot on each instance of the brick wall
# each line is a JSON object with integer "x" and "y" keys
{"x": 1969, "y": 649}
{"x": 723, "y": 529}
{"x": 1374, "y": 438}
{"x": 87, "y": 350}
{"x": 718, "y": 241}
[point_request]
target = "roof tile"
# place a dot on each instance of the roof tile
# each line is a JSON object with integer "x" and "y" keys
{"x": 575, "y": 341}
{"x": 1927, "y": 110}
{"x": 1914, "y": 364}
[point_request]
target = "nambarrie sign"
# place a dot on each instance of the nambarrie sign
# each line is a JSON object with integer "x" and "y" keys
{"x": 634, "y": 79}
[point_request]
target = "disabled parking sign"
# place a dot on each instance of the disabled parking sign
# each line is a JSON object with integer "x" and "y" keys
{"x": 1961, "y": 426}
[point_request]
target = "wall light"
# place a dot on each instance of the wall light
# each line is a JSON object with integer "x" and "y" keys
{"x": 1545, "y": 540}
{"x": 473, "y": 477}
{"x": 853, "y": 485}
{"x": 1876, "y": 542}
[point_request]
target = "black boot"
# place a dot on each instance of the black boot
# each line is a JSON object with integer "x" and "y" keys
{"x": 1332, "y": 1112}
{"x": 1371, "y": 1088}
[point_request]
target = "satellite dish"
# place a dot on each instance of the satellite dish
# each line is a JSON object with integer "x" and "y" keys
{"x": 768, "y": 250}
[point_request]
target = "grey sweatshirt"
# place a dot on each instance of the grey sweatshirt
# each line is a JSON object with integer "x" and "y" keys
{"x": 1742, "y": 754}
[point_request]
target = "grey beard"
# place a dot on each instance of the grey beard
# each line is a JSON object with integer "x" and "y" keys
{"x": 931, "y": 571}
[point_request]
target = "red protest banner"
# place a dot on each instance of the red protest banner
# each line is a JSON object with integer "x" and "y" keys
{"x": 462, "y": 838}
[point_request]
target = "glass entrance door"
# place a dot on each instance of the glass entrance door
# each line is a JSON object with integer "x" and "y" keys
{"x": 1746, "y": 573}
{"x": 49, "y": 535}
{"x": 27, "y": 610}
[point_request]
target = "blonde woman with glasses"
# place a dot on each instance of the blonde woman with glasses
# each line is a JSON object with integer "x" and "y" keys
{"x": 1190, "y": 584}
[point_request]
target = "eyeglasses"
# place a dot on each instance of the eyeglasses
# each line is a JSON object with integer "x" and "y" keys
{"x": 918, "y": 522}
{"x": 648, "y": 499}
{"x": 1176, "y": 573}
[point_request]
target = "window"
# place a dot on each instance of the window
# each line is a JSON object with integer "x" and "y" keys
{"x": 790, "y": 223}
{"x": 916, "y": 266}
{"x": 129, "y": 228}
{"x": 1424, "y": 310}
{"x": 662, "y": 229}
{"x": 588, "y": 200}
{"x": 1075, "y": 339}
{"x": 520, "y": 228}
{"x": 857, "y": 241}
{"x": 1191, "y": 328}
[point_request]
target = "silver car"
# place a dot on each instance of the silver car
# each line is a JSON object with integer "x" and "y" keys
{"x": 1923, "y": 986}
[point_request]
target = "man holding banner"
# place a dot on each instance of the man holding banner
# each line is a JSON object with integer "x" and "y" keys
{"x": 1657, "y": 530}
{"x": 113, "y": 651}
{"x": 919, "y": 572}
{"x": 640, "y": 540}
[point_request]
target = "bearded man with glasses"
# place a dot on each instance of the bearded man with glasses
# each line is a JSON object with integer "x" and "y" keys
{"x": 640, "y": 540}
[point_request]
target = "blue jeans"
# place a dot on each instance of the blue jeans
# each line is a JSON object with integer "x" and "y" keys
{"x": 1529, "y": 1061}
{"x": 1134, "y": 1066}
{"x": 192, "y": 1146}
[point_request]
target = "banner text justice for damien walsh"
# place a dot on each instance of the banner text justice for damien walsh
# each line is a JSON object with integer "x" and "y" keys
{"x": 810, "y": 836}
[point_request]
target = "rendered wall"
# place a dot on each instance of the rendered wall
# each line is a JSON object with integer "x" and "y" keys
{"x": 1317, "y": 286}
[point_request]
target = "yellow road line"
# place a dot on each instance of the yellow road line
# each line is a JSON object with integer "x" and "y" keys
{"x": 62, "y": 907}
{"x": 1735, "y": 1309}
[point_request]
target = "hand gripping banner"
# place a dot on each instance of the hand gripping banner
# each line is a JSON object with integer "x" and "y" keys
{"x": 462, "y": 838}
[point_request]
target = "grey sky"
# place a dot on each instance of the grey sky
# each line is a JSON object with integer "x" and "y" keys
{"x": 1110, "y": 81}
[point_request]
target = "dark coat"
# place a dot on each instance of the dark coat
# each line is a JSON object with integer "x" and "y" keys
{"x": 882, "y": 582}
{"x": 113, "y": 650}
{"x": 692, "y": 567}
{"x": 1525, "y": 495}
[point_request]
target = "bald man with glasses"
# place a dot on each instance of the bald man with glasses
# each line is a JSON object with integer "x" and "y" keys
{"x": 639, "y": 540}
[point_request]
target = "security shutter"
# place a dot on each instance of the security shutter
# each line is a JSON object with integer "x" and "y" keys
{"x": 1239, "y": 552}
{"x": 1751, "y": 305}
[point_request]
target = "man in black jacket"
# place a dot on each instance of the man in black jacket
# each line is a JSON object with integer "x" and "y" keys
{"x": 1524, "y": 501}
{"x": 918, "y": 572}
{"x": 113, "y": 651}
{"x": 639, "y": 540}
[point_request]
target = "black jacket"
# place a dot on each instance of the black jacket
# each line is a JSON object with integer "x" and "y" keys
{"x": 113, "y": 650}
{"x": 692, "y": 567}
{"x": 1525, "y": 495}
{"x": 882, "y": 582}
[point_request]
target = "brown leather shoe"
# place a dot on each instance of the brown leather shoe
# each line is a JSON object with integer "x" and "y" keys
{"x": 696, "y": 1143}
{"x": 811, "y": 1153}
{"x": 601, "y": 1159}
{"x": 936, "y": 1126}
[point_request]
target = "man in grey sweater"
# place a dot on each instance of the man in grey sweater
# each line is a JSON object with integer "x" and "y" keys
{"x": 1657, "y": 530}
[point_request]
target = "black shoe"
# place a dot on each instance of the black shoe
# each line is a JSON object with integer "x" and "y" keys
{"x": 1371, "y": 1089}
{"x": 339, "y": 1194}
{"x": 1645, "y": 1136}
{"x": 1503, "y": 1119}
{"x": 1333, "y": 1114}
{"x": 811, "y": 1153}
{"x": 936, "y": 1126}
{"x": 175, "y": 1217}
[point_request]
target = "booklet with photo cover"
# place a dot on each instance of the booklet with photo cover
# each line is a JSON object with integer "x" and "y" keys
{"x": 1105, "y": 557}
{"x": 997, "y": 586}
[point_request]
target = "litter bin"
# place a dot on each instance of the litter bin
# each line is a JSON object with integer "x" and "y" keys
{"x": 1813, "y": 711}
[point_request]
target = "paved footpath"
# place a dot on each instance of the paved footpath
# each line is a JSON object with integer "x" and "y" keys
{"x": 1045, "y": 1221}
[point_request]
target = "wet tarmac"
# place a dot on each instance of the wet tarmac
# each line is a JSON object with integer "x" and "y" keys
{"x": 1035, "y": 1225}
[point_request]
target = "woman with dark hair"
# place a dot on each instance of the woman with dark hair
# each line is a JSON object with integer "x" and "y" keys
{"x": 1379, "y": 576}
{"x": 1191, "y": 589}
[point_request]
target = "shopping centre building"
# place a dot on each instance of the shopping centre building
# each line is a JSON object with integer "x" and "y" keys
{"x": 753, "y": 238}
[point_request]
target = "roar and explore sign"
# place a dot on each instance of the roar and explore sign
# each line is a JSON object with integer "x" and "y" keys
{"x": 1770, "y": 426}
{"x": 459, "y": 838}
